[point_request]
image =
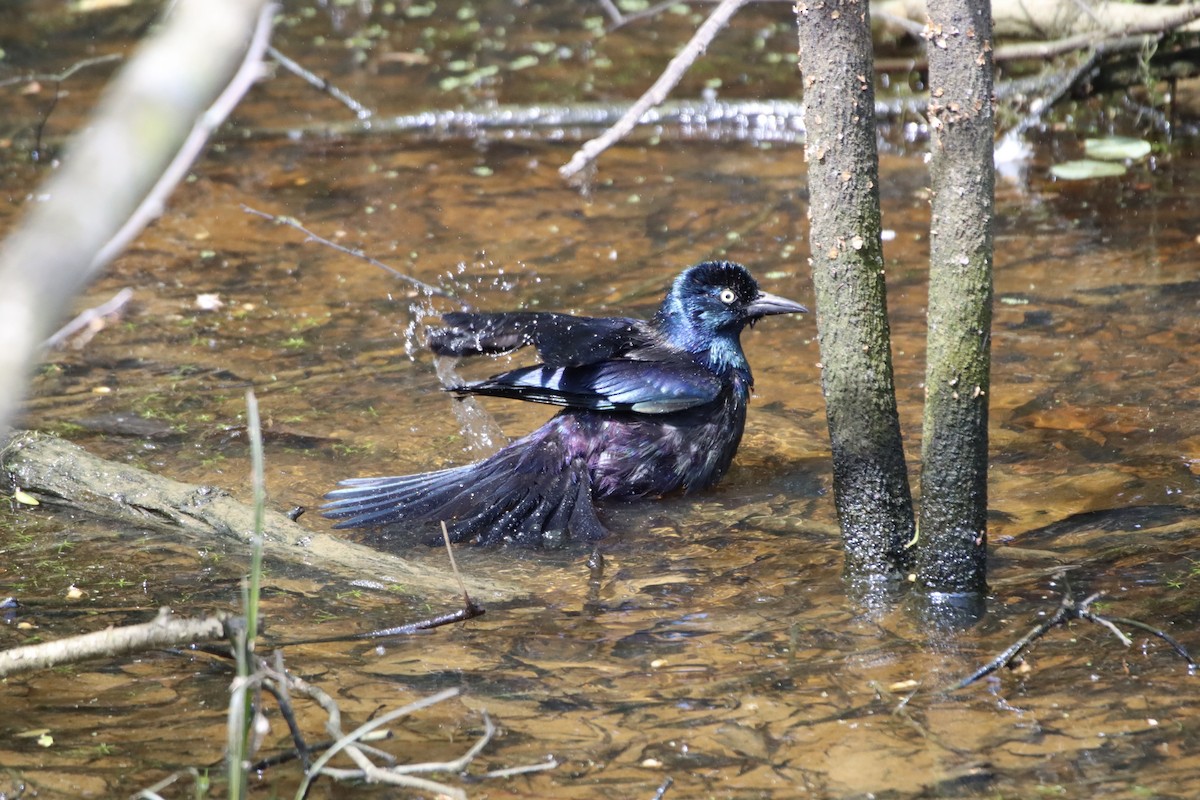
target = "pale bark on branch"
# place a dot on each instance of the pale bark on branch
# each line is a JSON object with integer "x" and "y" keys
{"x": 656, "y": 93}
{"x": 119, "y": 169}
{"x": 1059, "y": 19}
{"x": 165, "y": 630}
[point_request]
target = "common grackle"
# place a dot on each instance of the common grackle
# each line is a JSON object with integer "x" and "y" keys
{"x": 649, "y": 408}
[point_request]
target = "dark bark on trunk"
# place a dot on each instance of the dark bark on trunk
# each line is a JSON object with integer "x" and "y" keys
{"x": 869, "y": 476}
{"x": 952, "y": 551}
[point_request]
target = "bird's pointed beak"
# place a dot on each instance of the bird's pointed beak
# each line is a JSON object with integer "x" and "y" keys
{"x": 767, "y": 304}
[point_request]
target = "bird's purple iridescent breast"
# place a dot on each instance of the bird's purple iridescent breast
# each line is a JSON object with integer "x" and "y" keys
{"x": 632, "y": 456}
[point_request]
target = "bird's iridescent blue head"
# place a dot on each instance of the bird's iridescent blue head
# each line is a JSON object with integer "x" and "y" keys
{"x": 716, "y": 299}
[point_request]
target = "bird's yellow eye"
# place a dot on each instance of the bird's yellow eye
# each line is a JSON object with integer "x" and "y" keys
{"x": 728, "y": 296}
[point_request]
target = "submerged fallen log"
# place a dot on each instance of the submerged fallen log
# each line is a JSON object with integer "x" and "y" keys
{"x": 58, "y": 472}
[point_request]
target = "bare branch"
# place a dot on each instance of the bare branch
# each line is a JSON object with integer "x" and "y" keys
{"x": 249, "y": 71}
{"x": 656, "y": 93}
{"x": 1153, "y": 25}
{"x": 140, "y": 126}
{"x": 1070, "y": 609}
{"x": 164, "y": 630}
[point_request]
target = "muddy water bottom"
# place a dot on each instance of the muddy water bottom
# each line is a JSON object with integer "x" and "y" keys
{"x": 710, "y": 651}
{"x": 719, "y": 647}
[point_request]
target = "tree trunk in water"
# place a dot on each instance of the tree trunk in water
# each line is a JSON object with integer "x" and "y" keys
{"x": 952, "y": 550}
{"x": 870, "y": 480}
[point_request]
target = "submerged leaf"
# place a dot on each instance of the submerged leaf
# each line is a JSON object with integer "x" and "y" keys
{"x": 1085, "y": 169}
{"x": 1116, "y": 148}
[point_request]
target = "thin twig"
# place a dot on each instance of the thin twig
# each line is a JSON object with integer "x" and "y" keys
{"x": 662, "y": 788}
{"x": 402, "y": 775}
{"x": 295, "y": 225}
{"x": 1069, "y": 609}
{"x": 57, "y": 80}
{"x": 508, "y": 772}
{"x": 656, "y": 93}
{"x": 1112, "y": 628}
{"x": 658, "y": 8}
{"x": 454, "y": 566}
{"x": 292, "y": 754}
{"x": 348, "y": 740}
{"x": 368, "y": 772}
{"x": 1175, "y": 645}
{"x": 278, "y": 687}
{"x": 469, "y": 611}
{"x": 1065, "y": 607}
{"x": 59, "y": 77}
{"x": 333, "y": 713}
{"x": 152, "y": 792}
{"x": 151, "y": 206}
{"x": 312, "y": 79}
{"x": 35, "y": 155}
{"x": 458, "y": 764}
{"x": 613, "y": 12}
{"x": 89, "y": 316}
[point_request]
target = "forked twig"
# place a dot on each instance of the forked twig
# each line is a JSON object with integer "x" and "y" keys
{"x": 470, "y": 610}
{"x": 1070, "y": 609}
{"x": 390, "y": 775}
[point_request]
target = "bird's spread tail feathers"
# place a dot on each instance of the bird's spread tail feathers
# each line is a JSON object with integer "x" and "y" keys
{"x": 513, "y": 496}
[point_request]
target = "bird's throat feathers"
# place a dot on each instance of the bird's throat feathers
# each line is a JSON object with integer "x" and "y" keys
{"x": 718, "y": 348}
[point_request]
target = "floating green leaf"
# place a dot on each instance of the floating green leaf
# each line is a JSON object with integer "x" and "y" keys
{"x": 523, "y": 62}
{"x": 1116, "y": 148}
{"x": 1086, "y": 169}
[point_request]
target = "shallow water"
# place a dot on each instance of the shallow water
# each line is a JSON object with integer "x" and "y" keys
{"x": 718, "y": 648}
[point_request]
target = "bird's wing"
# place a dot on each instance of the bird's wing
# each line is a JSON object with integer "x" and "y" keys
{"x": 562, "y": 340}
{"x": 645, "y": 385}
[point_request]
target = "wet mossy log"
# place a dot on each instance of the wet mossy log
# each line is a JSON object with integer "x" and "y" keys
{"x": 60, "y": 473}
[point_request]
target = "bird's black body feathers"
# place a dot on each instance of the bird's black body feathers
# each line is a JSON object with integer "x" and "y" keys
{"x": 561, "y": 340}
{"x": 649, "y": 408}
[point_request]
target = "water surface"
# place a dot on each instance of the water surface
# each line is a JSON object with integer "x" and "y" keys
{"x": 719, "y": 648}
